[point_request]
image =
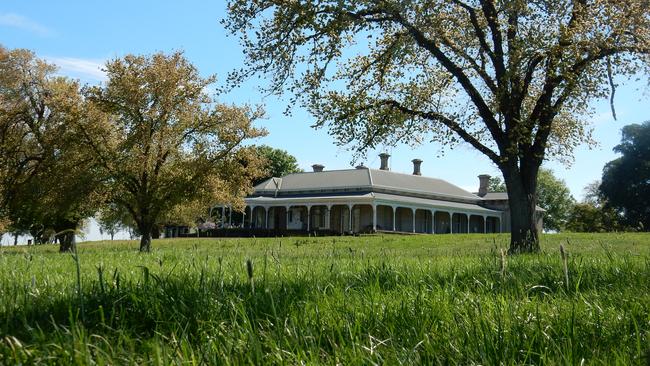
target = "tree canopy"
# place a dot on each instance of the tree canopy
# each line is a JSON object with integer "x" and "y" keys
{"x": 511, "y": 78}
{"x": 626, "y": 180}
{"x": 277, "y": 162}
{"x": 49, "y": 185}
{"x": 165, "y": 143}
{"x": 554, "y": 196}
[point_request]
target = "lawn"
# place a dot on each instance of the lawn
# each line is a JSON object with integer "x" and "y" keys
{"x": 391, "y": 299}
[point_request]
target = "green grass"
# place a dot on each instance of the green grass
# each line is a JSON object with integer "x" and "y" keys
{"x": 445, "y": 299}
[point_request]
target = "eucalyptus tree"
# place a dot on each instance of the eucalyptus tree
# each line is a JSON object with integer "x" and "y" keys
{"x": 48, "y": 182}
{"x": 165, "y": 143}
{"x": 511, "y": 78}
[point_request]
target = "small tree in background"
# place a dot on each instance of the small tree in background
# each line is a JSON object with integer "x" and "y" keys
{"x": 553, "y": 196}
{"x": 112, "y": 219}
{"x": 277, "y": 162}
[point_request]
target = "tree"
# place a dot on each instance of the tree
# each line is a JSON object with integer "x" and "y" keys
{"x": 49, "y": 184}
{"x": 495, "y": 184}
{"x": 112, "y": 219}
{"x": 278, "y": 162}
{"x": 511, "y": 78}
{"x": 626, "y": 180}
{"x": 554, "y": 196}
{"x": 585, "y": 218}
{"x": 165, "y": 142}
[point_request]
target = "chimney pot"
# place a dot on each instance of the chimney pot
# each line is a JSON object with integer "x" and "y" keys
{"x": 318, "y": 168}
{"x": 484, "y": 181}
{"x": 416, "y": 166}
{"x": 384, "y": 161}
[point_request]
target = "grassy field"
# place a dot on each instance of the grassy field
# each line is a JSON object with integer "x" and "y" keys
{"x": 333, "y": 300}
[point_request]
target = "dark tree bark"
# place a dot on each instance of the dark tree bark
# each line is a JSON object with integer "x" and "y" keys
{"x": 66, "y": 241}
{"x": 522, "y": 199}
{"x": 146, "y": 230}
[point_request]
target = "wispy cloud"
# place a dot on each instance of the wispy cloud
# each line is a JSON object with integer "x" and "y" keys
{"x": 21, "y": 22}
{"x": 79, "y": 68}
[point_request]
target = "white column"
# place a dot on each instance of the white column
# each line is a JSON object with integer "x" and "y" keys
{"x": 467, "y": 222}
{"x": 374, "y": 217}
{"x": 308, "y": 217}
{"x": 484, "y": 224}
{"x": 350, "y": 210}
{"x": 250, "y": 223}
{"x": 433, "y": 221}
{"x": 394, "y": 217}
{"x": 243, "y": 218}
{"x": 287, "y": 208}
{"x": 327, "y": 217}
{"x": 451, "y": 222}
{"x": 413, "y": 227}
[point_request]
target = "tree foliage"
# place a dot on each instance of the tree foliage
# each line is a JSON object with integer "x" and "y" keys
{"x": 495, "y": 184}
{"x": 554, "y": 196}
{"x": 626, "y": 180}
{"x": 49, "y": 185}
{"x": 277, "y": 162}
{"x": 164, "y": 142}
{"x": 511, "y": 78}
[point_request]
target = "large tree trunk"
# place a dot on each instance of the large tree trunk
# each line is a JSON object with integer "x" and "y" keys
{"x": 522, "y": 197}
{"x": 66, "y": 241}
{"x": 146, "y": 230}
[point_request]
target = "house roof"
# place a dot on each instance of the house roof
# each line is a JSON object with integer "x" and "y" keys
{"x": 443, "y": 205}
{"x": 362, "y": 179}
{"x": 495, "y": 196}
{"x": 368, "y": 198}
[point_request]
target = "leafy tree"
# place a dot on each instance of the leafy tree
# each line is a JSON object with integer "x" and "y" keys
{"x": 165, "y": 142}
{"x": 495, "y": 184}
{"x": 278, "y": 162}
{"x": 626, "y": 180}
{"x": 49, "y": 183}
{"x": 511, "y": 78}
{"x": 112, "y": 219}
{"x": 593, "y": 214}
{"x": 554, "y": 196}
{"x": 585, "y": 217}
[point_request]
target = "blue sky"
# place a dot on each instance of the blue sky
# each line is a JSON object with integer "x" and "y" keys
{"x": 80, "y": 35}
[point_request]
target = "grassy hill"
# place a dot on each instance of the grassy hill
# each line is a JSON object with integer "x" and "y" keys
{"x": 391, "y": 299}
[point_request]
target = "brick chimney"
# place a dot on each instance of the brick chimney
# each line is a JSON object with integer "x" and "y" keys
{"x": 484, "y": 181}
{"x": 384, "y": 161}
{"x": 416, "y": 166}
{"x": 318, "y": 168}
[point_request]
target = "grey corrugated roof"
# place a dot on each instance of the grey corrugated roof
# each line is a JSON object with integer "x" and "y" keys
{"x": 362, "y": 178}
{"x": 416, "y": 183}
{"x": 496, "y": 196}
{"x": 330, "y": 179}
{"x": 380, "y": 198}
{"x": 352, "y": 197}
{"x": 434, "y": 203}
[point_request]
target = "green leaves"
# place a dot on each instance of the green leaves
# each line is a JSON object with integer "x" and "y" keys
{"x": 169, "y": 149}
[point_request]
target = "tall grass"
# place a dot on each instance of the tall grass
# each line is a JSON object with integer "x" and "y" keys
{"x": 365, "y": 300}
